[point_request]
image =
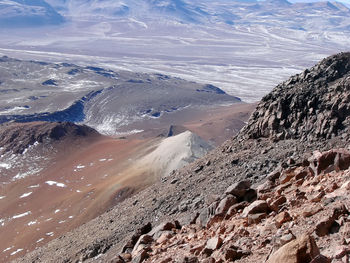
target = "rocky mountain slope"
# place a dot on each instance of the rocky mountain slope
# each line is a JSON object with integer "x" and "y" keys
{"x": 295, "y": 190}
{"x": 310, "y": 105}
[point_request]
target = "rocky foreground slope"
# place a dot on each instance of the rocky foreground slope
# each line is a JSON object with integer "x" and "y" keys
{"x": 290, "y": 203}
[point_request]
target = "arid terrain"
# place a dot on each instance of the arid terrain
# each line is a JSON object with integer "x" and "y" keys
{"x": 84, "y": 173}
{"x": 275, "y": 192}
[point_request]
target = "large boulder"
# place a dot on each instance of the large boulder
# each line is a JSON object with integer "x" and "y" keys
{"x": 301, "y": 250}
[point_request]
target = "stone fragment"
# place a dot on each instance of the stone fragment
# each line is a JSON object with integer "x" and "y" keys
{"x": 118, "y": 259}
{"x": 301, "y": 250}
{"x": 143, "y": 240}
{"x": 235, "y": 208}
{"x": 311, "y": 210}
{"x": 197, "y": 249}
{"x": 214, "y": 243}
{"x": 238, "y": 189}
{"x": 140, "y": 256}
{"x": 281, "y": 218}
{"x": 164, "y": 238}
{"x": 265, "y": 187}
{"x": 276, "y": 204}
{"x": 166, "y": 226}
{"x": 126, "y": 257}
{"x": 332, "y": 160}
{"x": 317, "y": 197}
{"x": 274, "y": 175}
{"x": 301, "y": 174}
{"x": 259, "y": 206}
{"x": 286, "y": 177}
{"x": 256, "y": 218}
{"x": 250, "y": 196}
{"x": 128, "y": 247}
{"x": 324, "y": 226}
{"x": 225, "y": 204}
{"x": 233, "y": 253}
{"x": 321, "y": 259}
{"x": 206, "y": 214}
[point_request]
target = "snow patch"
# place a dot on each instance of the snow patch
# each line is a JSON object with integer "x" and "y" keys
{"x": 32, "y": 222}
{"x": 39, "y": 240}
{"x": 21, "y": 215}
{"x": 17, "y": 251}
{"x": 2, "y": 197}
{"x": 50, "y": 234}
{"x": 51, "y": 183}
{"x": 57, "y": 210}
{"x": 7, "y": 249}
{"x": 26, "y": 174}
{"x": 5, "y": 165}
{"x": 25, "y": 195}
{"x": 33, "y": 186}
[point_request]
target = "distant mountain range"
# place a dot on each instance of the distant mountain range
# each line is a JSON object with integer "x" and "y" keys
{"x": 19, "y": 13}
{"x": 244, "y": 47}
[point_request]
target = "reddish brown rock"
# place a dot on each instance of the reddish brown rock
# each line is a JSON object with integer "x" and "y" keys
{"x": 301, "y": 174}
{"x": 274, "y": 175}
{"x": 311, "y": 210}
{"x": 276, "y": 204}
{"x": 333, "y": 160}
{"x": 225, "y": 204}
{"x": 164, "y": 238}
{"x": 256, "y": 218}
{"x": 286, "y": 177}
{"x": 318, "y": 196}
{"x": 281, "y": 218}
{"x": 301, "y": 250}
{"x": 197, "y": 249}
{"x": 323, "y": 227}
{"x": 259, "y": 206}
{"x": 265, "y": 187}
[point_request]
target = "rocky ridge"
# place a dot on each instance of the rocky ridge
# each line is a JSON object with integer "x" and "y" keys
{"x": 16, "y": 137}
{"x": 313, "y": 104}
{"x": 252, "y": 155}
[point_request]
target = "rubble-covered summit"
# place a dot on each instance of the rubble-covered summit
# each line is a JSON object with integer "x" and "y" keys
{"x": 312, "y": 104}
